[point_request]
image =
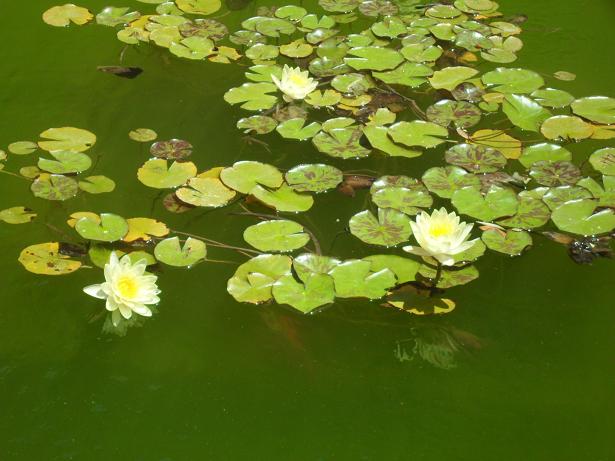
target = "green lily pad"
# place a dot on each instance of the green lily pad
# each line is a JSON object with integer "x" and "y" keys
{"x": 205, "y": 192}
{"x": 373, "y": 58}
{"x": 313, "y": 293}
{"x": 550, "y": 97}
{"x": 271, "y": 27}
{"x": 445, "y": 181}
{"x": 341, "y": 142}
{"x": 450, "y": 77}
{"x": 292, "y": 12}
{"x": 460, "y": 113}
{"x": 544, "y": 152}
{"x": 260, "y": 124}
{"x": 142, "y": 135}
{"x": 605, "y": 193}
{"x": 355, "y": 279}
{"x": 325, "y": 98}
{"x": 352, "y": 83}
{"x": 283, "y": 199}
{"x": 97, "y": 184}
{"x": 295, "y": 129}
{"x": 580, "y": 217}
{"x": 65, "y": 162}
{"x": 511, "y": 243}
{"x": 67, "y": 139}
{"x": 253, "y": 96}
{"x": 262, "y": 52}
{"x": 246, "y": 175}
{"x": 62, "y": 16}
{"x": 46, "y": 259}
{"x": 297, "y": 49}
{"x": 17, "y": 215}
{"x": 194, "y": 47}
{"x": 203, "y": 7}
{"x": 531, "y": 213}
{"x": 313, "y": 178}
{"x": 558, "y": 173}
{"x": 104, "y": 228}
{"x": 112, "y": 16}
{"x": 496, "y": 203}
{"x": 22, "y": 147}
{"x": 339, "y": 6}
{"x": 405, "y": 269}
{"x": 389, "y": 229}
{"x": 475, "y": 158}
{"x": 174, "y": 149}
{"x": 450, "y": 277}
{"x": 599, "y": 109}
{"x": 54, "y": 187}
{"x": 603, "y": 160}
{"x": 390, "y": 27}
{"x": 524, "y": 112}
{"x": 409, "y": 299}
{"x": 421, "y": 53}
{"x": 556, "y": 196}
{"x": 375, "y": 8}
{"x": 418, "y": 133}
{"x": 410, "y": 74}
{"x": 158, "y": 174}
{"x": 247, "y": 37}
{"x": 566, "y": 127}
{"x": 277, "y": 236}
{"x": 408, "y": 201}
{"x": 378, "y": 137}
{"x": 507, "y": 80}
{"x": 254, "y": 279}
{"x": 170, "y": 251}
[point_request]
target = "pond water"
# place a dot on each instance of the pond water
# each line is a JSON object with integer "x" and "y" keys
{"x": 209, "y": 378}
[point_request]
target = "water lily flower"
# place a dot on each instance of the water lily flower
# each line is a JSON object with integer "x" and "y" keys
{"x": 295, "y": 83}
{"x": 440, "y": 235}
{"x": 127, "y": 288}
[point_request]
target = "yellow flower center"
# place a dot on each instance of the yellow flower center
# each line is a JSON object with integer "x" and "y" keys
{"x": 298, "y": 79}
{"x": 127, "y": 287}
{"x": 441, "y": 229}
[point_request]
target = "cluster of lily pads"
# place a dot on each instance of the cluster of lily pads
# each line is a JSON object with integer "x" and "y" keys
{"x": 407, "y": 83}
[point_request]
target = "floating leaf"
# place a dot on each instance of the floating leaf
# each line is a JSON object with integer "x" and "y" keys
{"x": 46, "y": 259}
{"x": 603, "y": 160}
{"x": 260, "y": 124}
{"x": 65, "y": 162}
{"x": 143, "y": 135}
{"x": 544, "y": 152}
{"x": 418, "y": 133}
{"x": 254, "y": 279}
{"x": 170, "y": 251}
{"x": 408, "y": 74}
{"x": 204, "y": 7}
{"x": 598, "y": 109}
{"x": 283, "y": 199}
{"x": 354, "y": 279}
{"x": 194, "y": 47}
{"x": 378, "y": 8}
{"x": 505, "y": 80}
{"x": 475, "y": 158}
{"x": 450, "y": 77}
{"x": 462, "y": 114}
{"x": 565, "y": 76}
{"x": 524, "y": 112}
{"x": 174, "y": 149}
{"x": 408, "y": 201}
{"x": 531, "y": 213}
{"x": 378, "y": 137}
{"x": 271, "y": 27}
{"x": 389, "y": 229}
{"x": 206, "y": 28}
{"x": 549, "y": 97}
{"x": 297, "y": 49}
{"x": 339, "y": 6}
{"x": 144, "y": 229}
{"x": 390, "y": 27}
{"x": 405, "y": 269}
{"x": 106, "y": 228}
{"x": 313, "y": 293}
{"x": 62, "y": 16}
{"x": 158, "y": 174}
{"x": 496, "y": 203}
{"x": 17, "y": 215}
{"x": 511, "y": 243}
{"x": 558, "y": 173}
{"x": 325, "y": 98}
{"x": 373, "y": 58}
{"x": 409, "y": 299}
{"x": 313, "y": 178}
{"x": 54, "y": 187}
{"x": 97, "y": 184}
{"x": 262, "y": 52}
{"x": 445, "y": 181}
{"x": 254, "y": 96}
{"x": 205, "y": 192}
{"x": 67, "y": 139}
{"x": 499, "y": 140}
{"x": 341, "y": 142}
{"x": 246, "y": 175}
{"x": 277, "y": 235}
{"x": 22, "y": 147}
{"x": 295, "y": 129}
{"x": 450, "y": 277}
{"x": 557, "y": 196}
{"x": 112, "y": 16}
{"x": 580, "y": 217}
{"x": 566, "y": 127}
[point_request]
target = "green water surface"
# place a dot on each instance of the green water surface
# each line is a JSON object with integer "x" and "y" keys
{"x": 211, "y": 379}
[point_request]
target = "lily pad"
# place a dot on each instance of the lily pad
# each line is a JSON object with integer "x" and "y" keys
{"x": 378, "y": 137}
{"x": 599, "y": 109}
{"x": 531, "y": 213}
{"x": 17, "y": 215}
{"x": 158, "y": 174}
{"x": 550, "y": 97}
{"x": 507, "y": 80}
{"x": 418, "y": 133}
{"x": 203, "y": 7}
{"x": 205, "y": 192}
{"x": 389, "y": 229}
{"x": 556, "y": 196}
{"x": 509, "y": 147}
{"x": 408, "y": 201}
{"x": 524, "y": 112}
{"x": 496, "y": 203}
{"x": 450, "y": 77}
{"x": 97, "y": 184}
{"x": 313, "y": 293}
{"x": 511, "y": 243}
{"x": 375, "y": 8}
{"x": 450, "y": 277}
{"x": 259, "y": 124}
{"x": 409, "y": 299}
{"x": 354, "y": 279}
{"x": 603, "y": 160}
{"x": 283, "y": 199}
{"x": 144, "y": 229}
{"x": 67, "y": 139}
{"x": 195, "y": 48}
{"x": 107, "y": 228}
{"x": 475, "y": 158}
{"x": 62, "y": 16}
{"x": 373, "y": 58}
{"x": 54, "y": 187}
{"x": 170, "y": 251}
{"x": 254, "y": 279}
{"x": 22, "y": 147}
{"x": 253, "y": 96}
{"x": 445, "y": 181}
{"x": 246, "y": 175}
{"x": 408, "y": 74}
{"x": 558, "y": 173}
{"x": 405, "y": 269}
{"x": 313, "y": 178}
{"x": 113, "y": 16}
{"x": 276, "y": 236}
{"x": 341, "y": 142}
{"x": 460, "y": 113}
{"x": 580, "y": 217}
{"x": 174, "y": 149}
{"x": 46, "y": 259}
{"x": 295, "y": 129}
{"x": 65, "y": 162}
{"x": 544, "y": 152}
{"x": 142, "y": 135}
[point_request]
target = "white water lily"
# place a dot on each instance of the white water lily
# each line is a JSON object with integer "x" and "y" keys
{"x": 295, "y": 83}
{"x": 127, "y": 288}
{"x": 440, "y": 235}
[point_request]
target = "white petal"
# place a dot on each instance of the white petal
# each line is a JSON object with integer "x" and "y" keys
{"x": 95, "y": 291}
{"x": 111, "y": 305}
{"x": 116, "y": 317}
{"x": 142, "y": 310}
{"x": 416, "y": 250}
{"x": 125, "y": 311}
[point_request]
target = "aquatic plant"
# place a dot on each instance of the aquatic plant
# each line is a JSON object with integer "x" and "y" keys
{"x": 385, "y": 78}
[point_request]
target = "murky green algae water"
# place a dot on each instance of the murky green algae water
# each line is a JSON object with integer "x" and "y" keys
{"x": 212, "y": 379}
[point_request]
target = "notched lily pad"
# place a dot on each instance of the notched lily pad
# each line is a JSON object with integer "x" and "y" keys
{"x": 170, "y": 251}
{"x": 174, "y": 149}
{"x": 475, "y": 158}
{"x": 63, "y": 15}
{"x": 511, "y": 243}
{"x": 581, "y": 217}
{"x": 46, "y": 259}
{"x": 276, "y": 236}
{"x": 462, "y": 114}
{"x": 157, "y": 173}
{"x": 104, "y": 228}
{"x": 17, "y": 215}
{"x": 254, "y": 279}
{"x": 54, "y": 187}
{"x": 390, "y": 228}
{"x": 313, "y": 177}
